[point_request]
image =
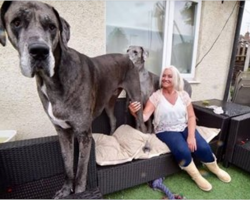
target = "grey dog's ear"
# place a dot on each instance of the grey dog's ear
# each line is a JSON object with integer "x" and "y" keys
{"x": 4, "y": 8}
{"x": 145, "y": 53}
{"x": 64, "y": 28}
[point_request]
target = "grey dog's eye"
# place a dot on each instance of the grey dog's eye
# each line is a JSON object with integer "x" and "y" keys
{"x": 135, "y": 52}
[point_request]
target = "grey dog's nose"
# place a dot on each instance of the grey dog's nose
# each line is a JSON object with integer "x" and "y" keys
{"x": 39, "y": 51}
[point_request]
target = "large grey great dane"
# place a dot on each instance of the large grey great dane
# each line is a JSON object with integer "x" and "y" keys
{"x": 74, "y": 89}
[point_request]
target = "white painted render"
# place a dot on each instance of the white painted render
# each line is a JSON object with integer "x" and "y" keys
{"x": 20, "y": 106}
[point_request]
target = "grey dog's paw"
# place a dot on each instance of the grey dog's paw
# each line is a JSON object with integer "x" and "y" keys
{"x": 63, "y": 192}
{"x": 146, "y": 147}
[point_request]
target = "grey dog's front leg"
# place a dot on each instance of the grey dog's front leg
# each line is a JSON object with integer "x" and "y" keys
{"x": 139, "y": 122}
{"x": 66, "y": 140}
{"x": 85, "y": 141}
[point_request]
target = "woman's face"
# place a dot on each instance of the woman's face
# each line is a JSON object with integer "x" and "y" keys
{"x": 167, "y": 78}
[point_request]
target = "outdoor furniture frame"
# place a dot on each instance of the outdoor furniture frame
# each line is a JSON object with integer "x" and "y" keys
{"x": 241, "y": 93}
{"x": 34, "y": 169}
{"x": 238, "y": 146}
{"x": 206, "y": 117}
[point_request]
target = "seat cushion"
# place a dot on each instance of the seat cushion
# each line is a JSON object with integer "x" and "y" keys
{"x": 128, "y": 143}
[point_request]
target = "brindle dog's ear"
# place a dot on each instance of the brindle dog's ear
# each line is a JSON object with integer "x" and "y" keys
{"x": 2, "y": 34}
{"x": 64, "y": 28}
{"x": 65, "y": 31}
{"x": 4, "y": 8}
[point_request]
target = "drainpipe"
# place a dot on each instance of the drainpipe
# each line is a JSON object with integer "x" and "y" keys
{"x": 236, "y": 39}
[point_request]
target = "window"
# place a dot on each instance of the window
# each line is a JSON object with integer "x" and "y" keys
{"x": 168, "y": 30}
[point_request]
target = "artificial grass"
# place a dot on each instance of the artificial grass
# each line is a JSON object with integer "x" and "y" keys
{"x": 181, "y": 183}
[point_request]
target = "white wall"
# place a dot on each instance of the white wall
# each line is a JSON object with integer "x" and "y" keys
{"x": 213, "y": 70}
{"x": 20, "y": 107}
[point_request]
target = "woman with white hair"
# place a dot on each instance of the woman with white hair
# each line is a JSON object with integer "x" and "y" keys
{"x": 175, "y": 125}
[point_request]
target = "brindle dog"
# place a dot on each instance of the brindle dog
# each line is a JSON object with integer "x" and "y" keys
{"x": 74, "y": 89}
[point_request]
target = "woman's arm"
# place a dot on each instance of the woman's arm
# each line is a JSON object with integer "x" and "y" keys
{"x": 147, "y": 112}
{"x": 191, "y": 128}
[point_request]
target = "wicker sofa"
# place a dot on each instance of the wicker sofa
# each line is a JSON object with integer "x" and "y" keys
{"x": 34, "y": 169}
{"x": 117, "y": 177}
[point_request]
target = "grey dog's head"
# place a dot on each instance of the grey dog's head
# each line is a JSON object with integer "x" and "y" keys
{"x": 137, "y": 54}
{"x": 35, "y": 30}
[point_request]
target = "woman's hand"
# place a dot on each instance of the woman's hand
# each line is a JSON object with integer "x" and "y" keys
{"x": 191, "y": 141}
{"x": 134, "y": 107}
{"x": 147, "y": 112}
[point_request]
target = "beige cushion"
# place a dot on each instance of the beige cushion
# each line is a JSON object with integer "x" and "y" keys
{"x": 119, "y": 148}
{"x": 208, "y": 133}
{"x": 127, "y": 144}
{"x": 108, "y": 150}
{"x": 157, "y": 148}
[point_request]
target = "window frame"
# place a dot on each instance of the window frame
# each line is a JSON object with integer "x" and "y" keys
{"x": 168, "y": 32}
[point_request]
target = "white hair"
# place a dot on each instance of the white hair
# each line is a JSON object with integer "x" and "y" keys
{"x": 177, "y": 79}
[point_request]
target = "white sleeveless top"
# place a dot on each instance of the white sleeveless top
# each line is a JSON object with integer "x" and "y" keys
{"x": 169, "y": 117}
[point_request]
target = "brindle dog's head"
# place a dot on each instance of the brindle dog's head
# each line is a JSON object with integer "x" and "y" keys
{"x": 137, "y": 54}
{"x": 36, "y": 31}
